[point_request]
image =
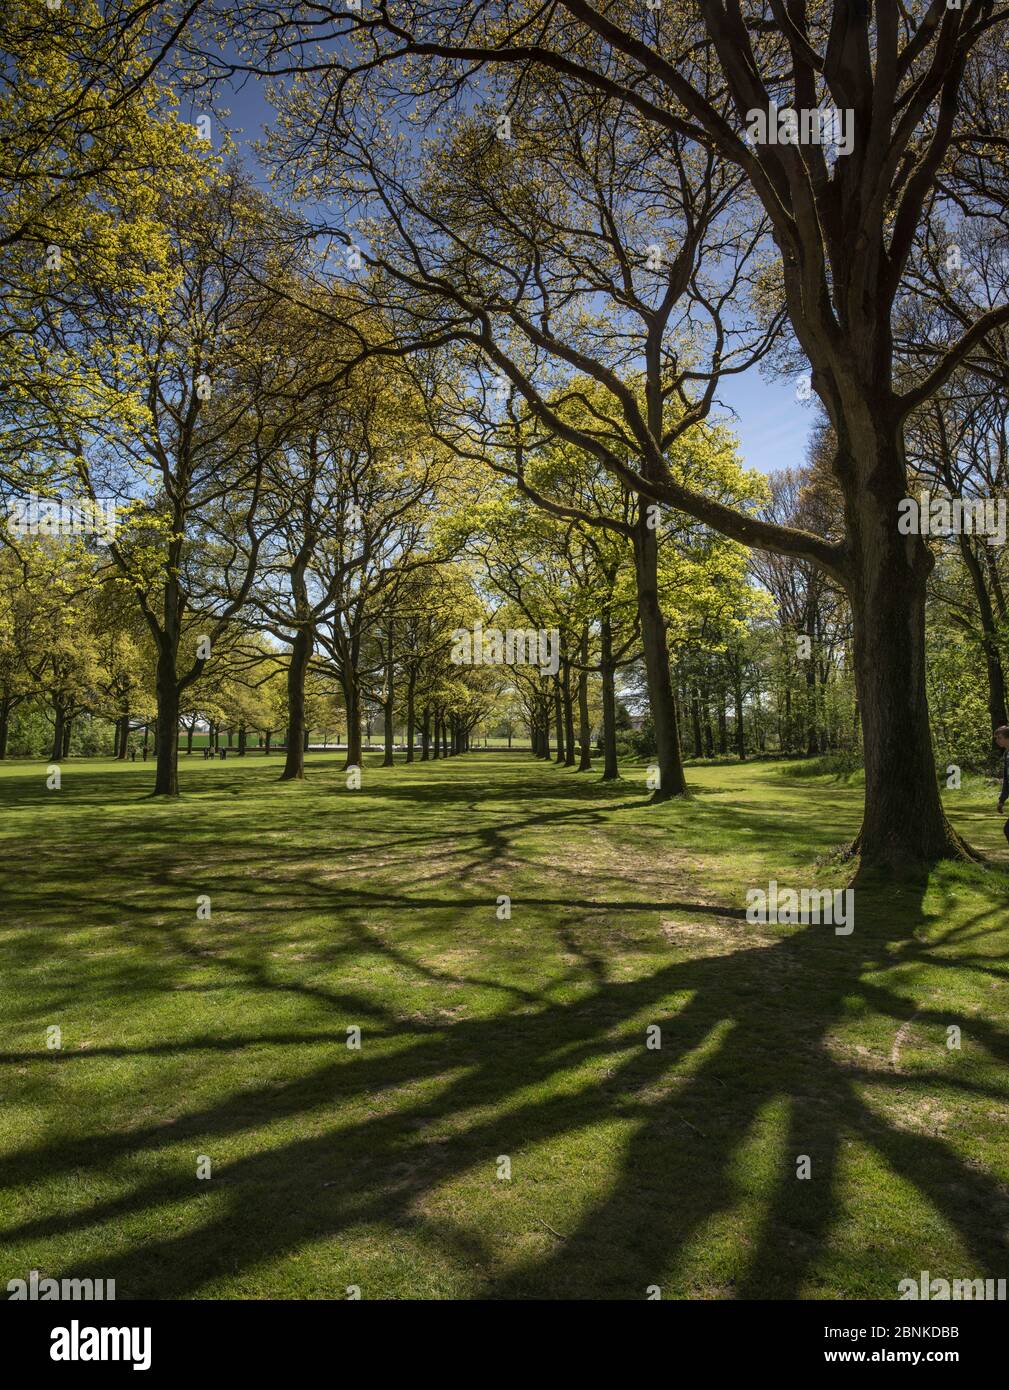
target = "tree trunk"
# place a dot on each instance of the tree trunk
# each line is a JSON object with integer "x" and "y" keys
{"x": 787, "y": 745}
{"x": 6, "y": 707}
{"x": 558, "y": 719}
{"x": 995, "y": 579}
{"x": 388, "y": 705}
{"x": 542, "y": 738}
{"x": 301, "y": 653}
{"x": 166, "y": 777}
{"x": 812, "y": 734}
{"x": 695, "y": 719}
{"x": 611, "y": 770}
{"x": 569, "y": 713}
{"x": 410, "y": 714}
{"x": 672, "y": 781}
{"x": 544, "y": 723}
{"x": 56, "y": 750}
{"x": 903, "y": 826}
{"x": 989, "y": 636}
{"x": 584, "y": 732}
{"x": 352, "y": 699}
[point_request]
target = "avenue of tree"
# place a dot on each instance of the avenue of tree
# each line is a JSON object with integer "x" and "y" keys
{"x": 448, "y": 352}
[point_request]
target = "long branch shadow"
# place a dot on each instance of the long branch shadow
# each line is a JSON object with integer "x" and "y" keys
{"x": 748, "y": 1022}
{"x": 740, "y": 1040}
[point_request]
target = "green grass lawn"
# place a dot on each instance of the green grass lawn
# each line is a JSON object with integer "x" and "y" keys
{"x": 483, "y": 1038}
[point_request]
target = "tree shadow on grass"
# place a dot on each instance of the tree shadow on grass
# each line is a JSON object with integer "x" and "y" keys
{"x": 745, "y": 1028}
{"x": 751, "y": 1025}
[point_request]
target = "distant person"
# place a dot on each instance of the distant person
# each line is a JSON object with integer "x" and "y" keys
{"x": 1002, "y": 739}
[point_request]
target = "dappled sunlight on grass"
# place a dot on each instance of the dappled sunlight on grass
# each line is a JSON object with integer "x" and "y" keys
{"x": 485, "y": 1036}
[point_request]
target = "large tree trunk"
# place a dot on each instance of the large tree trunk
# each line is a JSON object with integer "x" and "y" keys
{"x": 166, "y": 777}
{"x": 425, "y": 735}
{"x": 541, "y": 738}
{"x": 611, "y": 770}
{"x": 352, "y": 700}
{"x": 672, "y": 781}
{"x": 903, "y": 826}
{"x": 737, "y": 691}
{"x": 301, "y": 653}
{"x": 56, "y": 751}
{"x": 124, "y": 737}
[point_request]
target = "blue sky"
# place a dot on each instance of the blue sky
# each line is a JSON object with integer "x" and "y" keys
{"x": 772, "y": 426}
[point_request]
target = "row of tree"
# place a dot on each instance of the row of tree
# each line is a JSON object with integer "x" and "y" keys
{"x": 521, "y": 244}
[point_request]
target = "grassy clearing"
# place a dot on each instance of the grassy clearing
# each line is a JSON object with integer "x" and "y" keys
{"x": 482, "y": 1038}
